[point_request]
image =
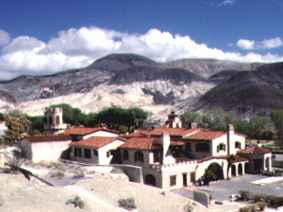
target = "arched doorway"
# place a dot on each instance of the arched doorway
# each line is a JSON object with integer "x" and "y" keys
{"x": 233, "y": 170}
{"x": 240, "y": 169}
{"x": 214, "y": 172}
{"x": 150, "y": 180}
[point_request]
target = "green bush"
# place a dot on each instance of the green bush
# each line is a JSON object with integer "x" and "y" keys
{"x": 127, "y": 204}
{"x": 244, "y": 195}
{"x": 77, "y": 202}
{"x": 250, "y": 208}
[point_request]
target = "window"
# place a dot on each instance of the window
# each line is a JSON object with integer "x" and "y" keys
{"x": 173, "y": 180}
{"x": 126, "y": 155}
{"x": 138, "y": 156}
{"x": 221, "y": 147}
{"x": 78, "y": 152}
{"x": 188, "y": 147}
{"x": 202, "y": 147}
{"x": 57, "y": 120}
{"x": 238, "y": 145}
{"x": 87, "y": 153}
{"x": 95, "y": 152}
{"x": 156, "y": 156}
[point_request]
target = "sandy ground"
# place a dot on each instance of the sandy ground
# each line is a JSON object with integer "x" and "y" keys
{"x": 99, "y": 191}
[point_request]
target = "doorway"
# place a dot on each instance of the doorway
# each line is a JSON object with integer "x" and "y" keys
{"x": 185, "y": 180}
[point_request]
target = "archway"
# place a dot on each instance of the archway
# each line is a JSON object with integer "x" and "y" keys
{"x": 233, "y": 168}
{"x": 214, "y": 172}
{"x": 240, "y": 169}
{"x": 150, "y": 180}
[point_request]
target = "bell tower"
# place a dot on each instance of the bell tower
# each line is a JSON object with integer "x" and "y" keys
{"x": 173, "y": 121}
{"x": 54, "y": 120}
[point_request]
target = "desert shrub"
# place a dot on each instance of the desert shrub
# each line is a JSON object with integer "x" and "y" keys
{"x": 260, "y": 206}
{"x": 250, "y": 208}
{"x": 244, "y": 195}
{"x": 189, "y": 208}
{"x": 274, "y": 201}
{"x": 117, "y": 171}
{"x": 57, "y": 174}
{"x": 78, "y": 173}
{"x": 77, "y": 202}
{"x": 128, "y": 203}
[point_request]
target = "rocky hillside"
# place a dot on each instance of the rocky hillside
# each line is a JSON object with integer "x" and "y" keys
{"x": 132, "y": 80}
{"x": 247, "y": 92}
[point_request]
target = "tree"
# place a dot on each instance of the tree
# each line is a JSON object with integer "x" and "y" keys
{"x": 189, "y": 117}
{"x": 17, "y": 124}
{"x": 277, "y": 118}
{"x": 37, "y": 124}
{"x": 73, "y": 116}
{"x": 120, "y": 119}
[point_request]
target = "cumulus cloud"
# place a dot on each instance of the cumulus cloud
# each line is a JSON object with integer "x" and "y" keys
{"x": 272, "y": 43}
{"x": 246, "y": 44}
{"x": 4, "y": 38}
{"x": 265, "y": 44}
{"x": 74, "y": 48}
{"x": 227, "y": 3}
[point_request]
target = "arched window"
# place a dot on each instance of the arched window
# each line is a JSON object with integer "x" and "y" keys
{"x": 139, "y": 156}
{"x": 238, "y": 145}
{"x": 126, "y": 155}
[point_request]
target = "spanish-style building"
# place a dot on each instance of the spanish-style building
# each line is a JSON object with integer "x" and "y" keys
{"x": 169, "y": 156}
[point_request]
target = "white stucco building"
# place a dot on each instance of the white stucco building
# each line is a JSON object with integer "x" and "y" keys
{"x": 3, "y": 128}
{"x": 169, "y": 156}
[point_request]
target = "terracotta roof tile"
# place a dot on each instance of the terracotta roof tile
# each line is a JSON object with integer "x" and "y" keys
{"x": 204, "y": 134}
{"x": 95, "y": 142}
{"x": 256, "y": 150}
{"x": 48, "y": 138}
{"x": 141, "y": 143}
{"x": 171, "y": 131}
{"x": 82, "y": 131}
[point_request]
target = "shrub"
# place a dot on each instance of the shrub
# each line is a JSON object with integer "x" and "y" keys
{"x": 244, "y": 195}
{"x": 250, "y": 208}
{"x": 57, "y": 174}
{"x": 77, "y": 202}
{"x": 128, "y": 203}
{"x": 260, "y": 206}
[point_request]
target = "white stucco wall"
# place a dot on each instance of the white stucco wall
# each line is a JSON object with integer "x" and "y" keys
{"x": 100, "y": 133}
{"x": 102, "y": 158}
{"x": 44, "y": 151}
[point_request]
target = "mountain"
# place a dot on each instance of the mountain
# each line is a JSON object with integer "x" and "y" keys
{"x": 257, "y": 91}
{"x": 208, "y": 67}
{"x": 128, "y": 80}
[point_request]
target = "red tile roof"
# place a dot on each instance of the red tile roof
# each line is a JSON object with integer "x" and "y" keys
{"x": 141, "y": 143}
{"x": 48, "y": 138}
{"x": 256, "y": 150}
{"x": 82, "y": 131}
{"x": 171, "y": 131}
{"x": 204, "y": 134}
{"x": 95, "y": 142}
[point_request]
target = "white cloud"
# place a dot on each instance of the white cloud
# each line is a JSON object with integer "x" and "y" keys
{"x": 4, "y": 38}
{"x": 246, "y": 44}
{"x": 227, "y": 3}
{"x": 74, "y": 48}
{"x": 272, "y": 43}
{"x": 265, "y": 44}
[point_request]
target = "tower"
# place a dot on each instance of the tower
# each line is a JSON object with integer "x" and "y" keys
{"x": 54, "y": 120}
{"x": 173, "y": 121}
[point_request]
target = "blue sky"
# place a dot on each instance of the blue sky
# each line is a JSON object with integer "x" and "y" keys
{"x": 72, "y": 33}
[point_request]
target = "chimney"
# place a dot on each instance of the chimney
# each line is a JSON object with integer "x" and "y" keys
{"x": 194, "y": 125}
{"x": 230, "y": 133}
{"x": 165, "y": 145}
